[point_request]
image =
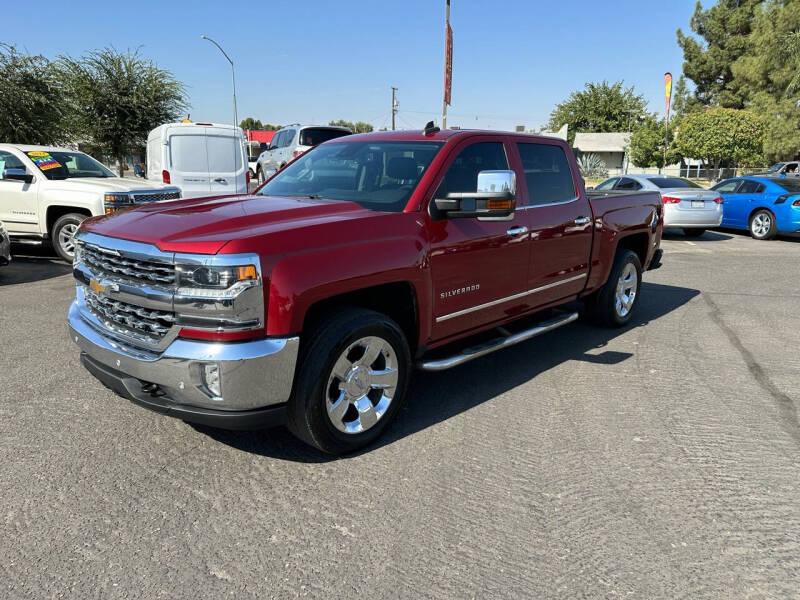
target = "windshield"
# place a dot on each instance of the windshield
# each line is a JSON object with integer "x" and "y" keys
{"x": 67, "y": 165}
{"x": 673, "y": 182}
{"x": 311, "y": 136}
{"x": 377, "y": 175}
{"x": 775, "y": 168}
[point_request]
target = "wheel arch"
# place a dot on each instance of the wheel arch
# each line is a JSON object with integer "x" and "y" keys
{"x": 56, "y": 211}
{"x": 397, "y": 300}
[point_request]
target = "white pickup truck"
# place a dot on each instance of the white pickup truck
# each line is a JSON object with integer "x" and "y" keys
{"x": 45, "y": 193}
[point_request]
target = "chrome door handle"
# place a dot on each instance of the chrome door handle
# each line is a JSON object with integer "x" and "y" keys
{"x": 221, "y": 180}
{"x": 582, "y": 220}
{"x": 519, "y": 230}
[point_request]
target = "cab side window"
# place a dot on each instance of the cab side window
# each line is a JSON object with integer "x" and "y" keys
{"x": 751, "y": 187}
{"x": 462, "y": 175}
{"x": 547, "y": 174}
{"x": 288, "y": 136}
{"x": 727, "y": 187}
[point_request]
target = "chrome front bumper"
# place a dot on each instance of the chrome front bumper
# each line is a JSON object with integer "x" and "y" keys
{"x": 254, "y": 375}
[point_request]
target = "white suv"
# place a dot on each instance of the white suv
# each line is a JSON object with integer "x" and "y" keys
{"x": 47, "y": 192}
{"x": 292, "y": 141}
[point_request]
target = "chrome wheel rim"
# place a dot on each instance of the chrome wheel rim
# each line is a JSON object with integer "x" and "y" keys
{"x": 361, "y": 385}
{"x": 626, "y": 290}
{"x": 66, "y": 238}
{"x": 761, "y": 224}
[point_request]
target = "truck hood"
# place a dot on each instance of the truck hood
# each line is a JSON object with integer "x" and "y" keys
{"x": 102, "y": 184}
{"x": 205, "y": 225}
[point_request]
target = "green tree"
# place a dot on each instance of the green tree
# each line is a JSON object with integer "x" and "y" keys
{"x": 119, "y": 97}
{"x": 724, "y": 32}
{"x": 358, "y": 127}
{"x": 32, "y": 105}
{"x": 647, "y": 144}
{"x": 770, "y": 76}
{"x": 252, "y": 124}
{"x": 599, "y": 107}
{"x": 722, "y": 134}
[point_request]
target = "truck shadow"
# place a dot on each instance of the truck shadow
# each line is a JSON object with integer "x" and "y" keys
{"x": 436, "y": 397}
{"x": 32, "y": 264}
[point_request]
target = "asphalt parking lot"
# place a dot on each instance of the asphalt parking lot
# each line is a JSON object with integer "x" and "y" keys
{"x": 657, "y": 461}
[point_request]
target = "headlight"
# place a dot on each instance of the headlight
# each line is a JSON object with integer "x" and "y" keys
{"x": 209, "y": 281}
{"x": 113, "y": 201}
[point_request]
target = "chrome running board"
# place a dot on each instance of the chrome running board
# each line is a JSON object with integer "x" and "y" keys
{"x": 467, "y": 354}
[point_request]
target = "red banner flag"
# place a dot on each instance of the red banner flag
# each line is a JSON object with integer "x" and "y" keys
{"x": 448, "y": 65}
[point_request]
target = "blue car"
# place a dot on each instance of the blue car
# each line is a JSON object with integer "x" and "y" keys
{"x": 764, "y": 205}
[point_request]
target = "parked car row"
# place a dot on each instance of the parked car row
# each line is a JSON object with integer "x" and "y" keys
{"x": 765, "y": 205}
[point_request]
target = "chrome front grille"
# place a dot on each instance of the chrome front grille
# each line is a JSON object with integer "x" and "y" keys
{"x": 134, "y": 321}
{"x": 110, "y": 262}
{"x": 147, "y": 197}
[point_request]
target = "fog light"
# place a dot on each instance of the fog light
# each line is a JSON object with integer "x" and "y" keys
{"x": 212, "y": 379}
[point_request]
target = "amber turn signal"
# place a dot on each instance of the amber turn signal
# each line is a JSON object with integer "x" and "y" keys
{"x": 499, "y": 205}
{"x": 246, "y": 272}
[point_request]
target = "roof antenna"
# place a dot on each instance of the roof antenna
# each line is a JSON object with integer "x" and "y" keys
{"x": 430, "y": 128}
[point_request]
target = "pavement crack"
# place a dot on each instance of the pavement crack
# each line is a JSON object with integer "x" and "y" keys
{"x": 786, "y": 408}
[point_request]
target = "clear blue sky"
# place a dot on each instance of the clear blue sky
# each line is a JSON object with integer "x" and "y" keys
{"x": 317, "y": 60}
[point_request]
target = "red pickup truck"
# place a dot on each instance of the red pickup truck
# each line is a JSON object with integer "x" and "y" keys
{"x": 312, "y": 301}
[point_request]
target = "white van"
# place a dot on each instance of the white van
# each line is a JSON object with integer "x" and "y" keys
{"x": 202, "y": 159}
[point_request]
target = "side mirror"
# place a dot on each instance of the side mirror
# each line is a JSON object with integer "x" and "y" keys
{"x": 494, "y": 200}
{"x": 18, "y": 175}
{"x": 262, "y": 146}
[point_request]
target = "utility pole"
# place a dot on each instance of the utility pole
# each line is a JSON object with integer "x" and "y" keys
{"x": 394, "y": 105}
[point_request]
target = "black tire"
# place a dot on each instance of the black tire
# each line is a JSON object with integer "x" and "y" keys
{"x": 307, "y": 411}
{"x": 693, "y": 232}
{"x": 601, "y": 306}
{"x": 756, "y": 227}
{"x": 63, "y": 231}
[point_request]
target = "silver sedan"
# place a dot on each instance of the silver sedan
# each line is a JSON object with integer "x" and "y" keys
{"x": 686, "y": 204}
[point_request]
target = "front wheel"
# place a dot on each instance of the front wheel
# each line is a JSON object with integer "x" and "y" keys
{"x": 762, "y": 225}
{"x": 614, "y": 304}
{"x": 351, "y": 383}
{"x": 63, "y": 235}
{"x": 260, "y": 176}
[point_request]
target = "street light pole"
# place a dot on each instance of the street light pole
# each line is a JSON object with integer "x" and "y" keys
{"x": 233, "y": 78}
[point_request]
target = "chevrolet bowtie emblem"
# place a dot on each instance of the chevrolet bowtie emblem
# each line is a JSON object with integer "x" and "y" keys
{"x": 97, "y": 287}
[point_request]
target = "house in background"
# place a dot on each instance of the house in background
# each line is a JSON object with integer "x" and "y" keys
{"x": 560, "y": 134}
{"x": 609, "y": 147}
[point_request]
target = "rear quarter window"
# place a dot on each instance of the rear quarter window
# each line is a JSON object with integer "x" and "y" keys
{"x": 311, "y": 136}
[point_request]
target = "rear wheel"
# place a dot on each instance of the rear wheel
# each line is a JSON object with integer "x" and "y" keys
{"x": 63, "y": 235}
{"x": 693, "y": 232}
{"x": 352, "y": 381}
{"x": 762, "y": 225}
{"x": 614, "y": 304}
